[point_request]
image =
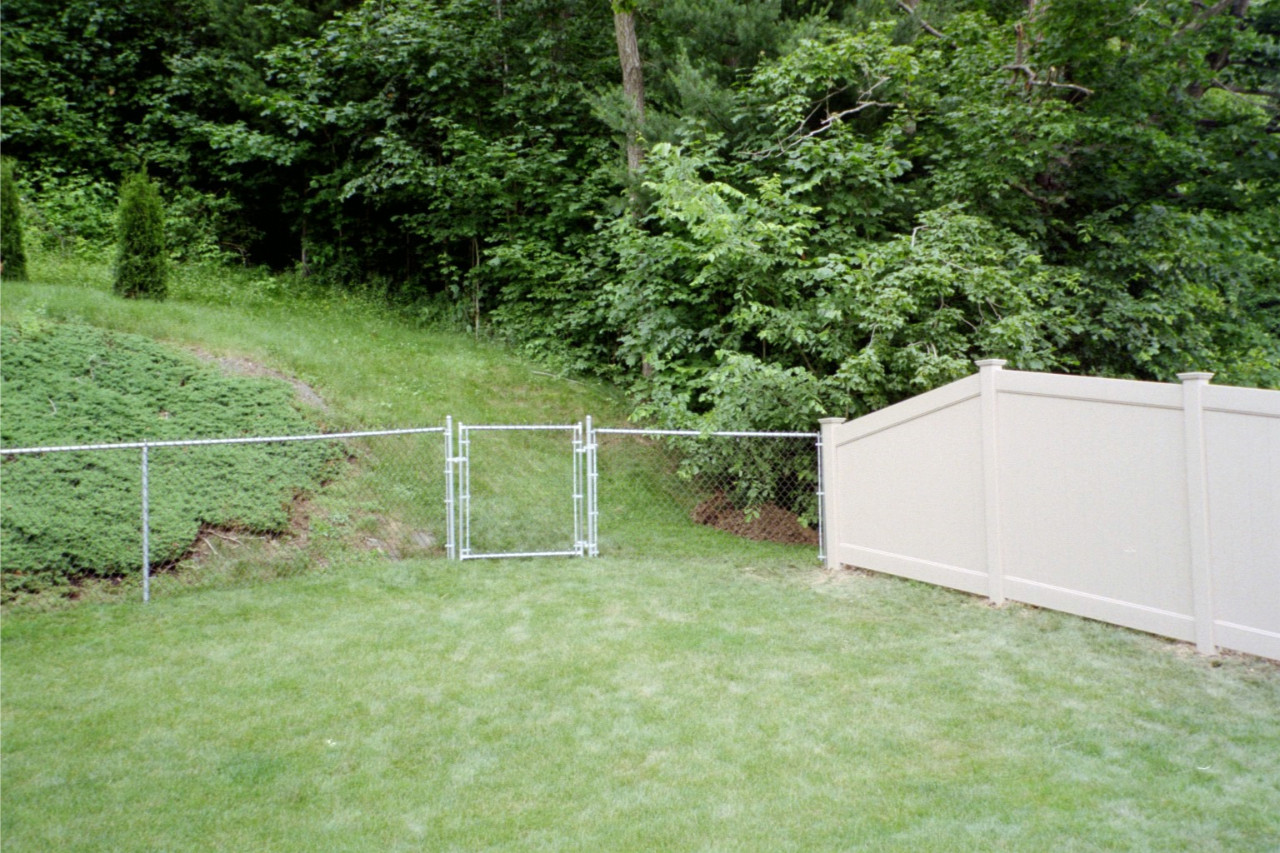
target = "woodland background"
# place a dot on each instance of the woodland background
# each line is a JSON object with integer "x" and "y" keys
{"x": 790, "y": 209}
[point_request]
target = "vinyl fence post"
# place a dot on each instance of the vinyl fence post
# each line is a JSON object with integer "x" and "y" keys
{"x": 146, "y": 530}
{"x": 1193, "y": 385}
{"x": 989, "y": 374}
{"x": 828, "y": 488}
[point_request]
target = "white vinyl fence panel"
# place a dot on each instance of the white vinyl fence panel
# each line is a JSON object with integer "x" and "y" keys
{"x": 1154, "y": 506}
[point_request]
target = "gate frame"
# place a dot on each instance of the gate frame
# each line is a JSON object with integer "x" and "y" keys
{"x": 582, "y": 490}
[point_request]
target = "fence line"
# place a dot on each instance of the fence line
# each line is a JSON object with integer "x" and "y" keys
{"x": 709, "y": 472}
{"x": 146, "y": 446}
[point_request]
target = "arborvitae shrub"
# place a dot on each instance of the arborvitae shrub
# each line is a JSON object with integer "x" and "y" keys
{"x": 141, "y": 264}
{"x": 13, "y": 259}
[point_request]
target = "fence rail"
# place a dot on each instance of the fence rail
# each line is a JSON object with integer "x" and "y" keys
{"x": 213, "y": 442}
{"x": 523, "y": 486}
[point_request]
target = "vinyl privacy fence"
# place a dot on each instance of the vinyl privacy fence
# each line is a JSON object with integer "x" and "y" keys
{"x": 460, "y": 490}
{"x": 1150, "y": 505}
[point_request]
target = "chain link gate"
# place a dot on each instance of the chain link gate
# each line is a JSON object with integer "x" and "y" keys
{"x": 503, "y": 508}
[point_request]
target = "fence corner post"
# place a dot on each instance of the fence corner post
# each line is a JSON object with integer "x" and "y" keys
{"x": 989, "y": 373}
{"x": 1201, "y": 552}
{"x": 827, "y": 490}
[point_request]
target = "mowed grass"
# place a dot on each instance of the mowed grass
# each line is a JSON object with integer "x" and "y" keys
{"x": 741, "y": 703}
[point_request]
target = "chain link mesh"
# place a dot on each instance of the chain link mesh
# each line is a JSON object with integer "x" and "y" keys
{"x": 522, "y": 490}
{"x": 671, "y": 487}
{"x": 78, "y": 514}
{"x": 391, "y": 497}
{"x": 73, "y": 516}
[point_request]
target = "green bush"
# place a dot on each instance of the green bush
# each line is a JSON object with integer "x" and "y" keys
{"x": 78, "y": 513}
{"x": 72, "y": 215}
{"x": 141, "y": 265}
{"x": 13, "y": 259}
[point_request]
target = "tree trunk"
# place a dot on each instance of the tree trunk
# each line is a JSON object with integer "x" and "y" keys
{"x": 624, "y": 27}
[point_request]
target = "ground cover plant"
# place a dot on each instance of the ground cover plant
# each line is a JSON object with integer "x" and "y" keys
{"x": 67, "y": 515}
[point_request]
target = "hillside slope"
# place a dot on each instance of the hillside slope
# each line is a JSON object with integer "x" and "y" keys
{"x": 79, "y": 368}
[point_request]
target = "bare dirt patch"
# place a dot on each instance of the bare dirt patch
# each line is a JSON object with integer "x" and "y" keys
{"x": 765, "y": 523}
{"x": 242, "y": 366}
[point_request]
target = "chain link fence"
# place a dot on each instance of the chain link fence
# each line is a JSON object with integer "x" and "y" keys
{"x": 77, "y": 513}
{"x": 653, "y": 484}
{"x": 116, "y": 511}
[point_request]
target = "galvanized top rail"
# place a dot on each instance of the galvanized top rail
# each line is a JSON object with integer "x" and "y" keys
{"x": 514, "y": 427}
{"x": 204, "y": 442}
{"x": 696, "y": 434}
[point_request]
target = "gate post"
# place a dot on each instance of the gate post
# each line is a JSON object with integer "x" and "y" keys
{"x": 593, "y": 477}
{"x": 464, "y": 492}
{"x": 579, "y": 490}
{"x": 450, "y": 540}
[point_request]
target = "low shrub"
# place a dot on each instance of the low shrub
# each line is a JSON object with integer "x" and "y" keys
{"x": 141, "y": 262}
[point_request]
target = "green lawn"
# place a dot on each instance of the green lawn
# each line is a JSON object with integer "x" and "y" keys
{"x": 741, "y": 703}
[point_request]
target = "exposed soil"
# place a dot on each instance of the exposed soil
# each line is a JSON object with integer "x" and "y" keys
{"x": 765, "y": 523}
{"x": 247, "y": 367}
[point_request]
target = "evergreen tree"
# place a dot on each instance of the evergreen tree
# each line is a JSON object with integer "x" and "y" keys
{"x": 13, "y": 259}
{"x": 141, "y": 266}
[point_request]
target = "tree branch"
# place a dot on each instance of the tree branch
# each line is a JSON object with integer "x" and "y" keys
{"x": 1034, "y": 80}
{"x": 910, "y": 9}
{"x": 1237, "y": 7}
{"x": 797, "y": 136}
{"x": 1038, "y": 199}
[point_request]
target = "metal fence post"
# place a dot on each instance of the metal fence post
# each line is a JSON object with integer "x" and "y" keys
{"x": 593, "y": 510}
{"x": 450, "y": 542}
{"x": 579, "y": 491}
{"x": 146, "y": 529}
{"x": 464, "y": 492}
{"x": 821, "y": 496}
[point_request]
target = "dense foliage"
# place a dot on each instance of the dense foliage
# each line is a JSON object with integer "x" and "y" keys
{"x": 79, "y": 512}
{"x": 142, "y": 267}
{"x": 839, "y": 205}
{"x": 13, "y": 254}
